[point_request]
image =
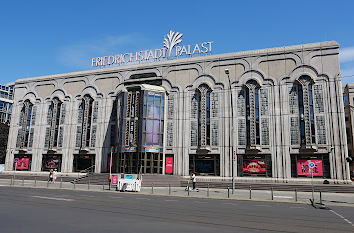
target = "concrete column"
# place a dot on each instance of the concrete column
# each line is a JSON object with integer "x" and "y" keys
{"x": 336, "y": 137}
{"x": 285, "y": 131}
{"x": 278, "y": 171}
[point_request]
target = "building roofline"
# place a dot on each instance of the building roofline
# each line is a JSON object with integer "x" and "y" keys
{"x": 179, "y": 61}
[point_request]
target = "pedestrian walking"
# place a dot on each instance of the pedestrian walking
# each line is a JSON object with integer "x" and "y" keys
{"x": 194, "y": 180}
{"x": 51, "y": 176}
{"x": 54, "y": 175}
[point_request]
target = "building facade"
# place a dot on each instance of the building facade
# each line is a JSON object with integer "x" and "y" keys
{"x": 263, "y": 113}
{"x": 348, "y": 97}
{"x": 6, "y": 101}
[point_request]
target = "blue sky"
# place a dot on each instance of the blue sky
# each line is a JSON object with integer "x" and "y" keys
{"x": 48, "y": 37}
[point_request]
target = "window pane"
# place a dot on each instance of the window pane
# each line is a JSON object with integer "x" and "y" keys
{"x": 149, "y": 126}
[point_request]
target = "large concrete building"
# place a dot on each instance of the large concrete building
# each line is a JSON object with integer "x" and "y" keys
{"x": 284, "y": 113}
{"x": 348, "y": 97}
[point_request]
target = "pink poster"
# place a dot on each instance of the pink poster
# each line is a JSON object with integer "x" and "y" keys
{"x": 169, "y": 165}
{"x": 303, "y": 168}
{"x": 22, "y": 164}
{"x": 114, "y": 180}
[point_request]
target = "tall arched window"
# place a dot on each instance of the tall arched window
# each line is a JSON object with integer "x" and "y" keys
{"x": 55, "y": 118}
{"x": 25, "y": 133}
{"x": 306, "y": 111}
{"x": 87, "y": 119}
{"x": 252, "y": 113}
{"x": 307, "y": 118}
{"x": 200, "y": 116}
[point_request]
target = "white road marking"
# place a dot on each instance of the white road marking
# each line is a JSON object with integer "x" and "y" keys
{"x": 116, "y": 197}
{"x": 342, "y": 217}
{"x": 170, "y": 200}
{"x": 297, "y": 207}
{"x": 54, "y": 198}
{"x": 284, "y": 197}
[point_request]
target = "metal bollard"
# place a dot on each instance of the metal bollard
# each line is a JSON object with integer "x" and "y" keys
{"x": 47, "y": 184}
{"x": 208, "y": 191}
{"x": 23, "y": 181}
{"x": 188, "y": 190}
{"x": 88, "y": 185}
{"x": 61, "y": 182}
{"x": 74, "y": 185}
{"x": 295, "y": 195}
{"x": 35, "y": 181}
{"x": 321, "y": 198}
{"x": 250, "y": 192}
{"x": 152, "y": 188}
{"x": 228, "y": 192}
{"x": 103, "y": 186}
{"x": 169, "y": 189}
{"x": 271, "y": 190}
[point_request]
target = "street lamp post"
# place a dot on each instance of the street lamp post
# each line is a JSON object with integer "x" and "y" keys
{"x": 231, "y": 143}
{"x": 110, "y": 168}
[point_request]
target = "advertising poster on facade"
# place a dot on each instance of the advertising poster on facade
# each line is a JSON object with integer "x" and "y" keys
{"x": 254, "y": 167}
{"x": 22, "y": 164}
{"x": 303, "y": 168}
{"x": 169, "y": 165}
{"x": 52, "y": 163}
{"x": 152, "y": 149}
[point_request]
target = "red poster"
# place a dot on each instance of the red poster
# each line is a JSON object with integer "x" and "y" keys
{"x": 254, "y": 166}
{"x": 169, "y": 165}
{"x": 22, "y": 164}
{"x": 114, "y": 180}
{"x": 303, "y": 168}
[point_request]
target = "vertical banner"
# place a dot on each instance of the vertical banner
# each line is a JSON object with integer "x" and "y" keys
{"x": 114, "y": 180}
{"x": 169, "y": 165}
{"x": 303, "y": 168}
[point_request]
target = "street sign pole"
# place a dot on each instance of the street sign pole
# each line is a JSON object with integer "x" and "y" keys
{"x": 16, "y": 161}
{"x": 110, "y": 169}
{"x": 312, "y": 166}
{"x": 313, "y": 196}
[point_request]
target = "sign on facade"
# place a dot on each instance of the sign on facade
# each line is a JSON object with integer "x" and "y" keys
{"x": 171, "y": 49}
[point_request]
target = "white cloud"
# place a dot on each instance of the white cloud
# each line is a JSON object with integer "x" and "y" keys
{"x": 346, "y": 54}
{"x": 79, "y": 54}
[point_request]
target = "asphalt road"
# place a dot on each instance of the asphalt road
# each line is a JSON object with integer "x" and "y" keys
{"x": 49, "y": 210}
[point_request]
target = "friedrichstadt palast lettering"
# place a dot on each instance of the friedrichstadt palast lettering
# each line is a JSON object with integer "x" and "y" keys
{"x": 170, "y": 43}
{"x": 178, "y": 116}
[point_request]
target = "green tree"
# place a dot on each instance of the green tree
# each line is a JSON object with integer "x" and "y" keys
{"x": 4, "y": 134}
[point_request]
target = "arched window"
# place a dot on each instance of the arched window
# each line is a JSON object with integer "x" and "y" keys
{"x": 252, "y": 113}
{"x": 55, "y": 118}
{"x": 306, "y": 111}
{"x": 307, "y": 116}
{"x": 25, "y": 133}
{"x": 200, "y": 116}
{"x": 87, "y": 119}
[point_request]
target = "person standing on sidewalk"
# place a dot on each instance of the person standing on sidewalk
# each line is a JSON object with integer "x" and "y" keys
{"x": 50, "y": 176}
{"x": 54, "y": 175}
{"x": 194, "y": 180}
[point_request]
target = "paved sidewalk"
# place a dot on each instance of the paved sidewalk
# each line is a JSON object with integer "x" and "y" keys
{"x": 240, "y": 194}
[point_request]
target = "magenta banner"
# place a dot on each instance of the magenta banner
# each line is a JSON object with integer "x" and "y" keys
{"x": 22, "y": 164}
{"x": 303, "y": 168}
